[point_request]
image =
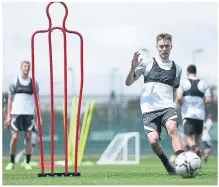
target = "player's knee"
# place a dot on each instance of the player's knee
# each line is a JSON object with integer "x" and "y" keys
{"x": 28, "y": 138}
{"x": 172, "y": 130}
{"x": 154, "y": 141}
{"x": 15, "y": 136}
{"x": 153, "y": 138}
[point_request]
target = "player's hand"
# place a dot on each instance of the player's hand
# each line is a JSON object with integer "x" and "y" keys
{"x": 7, "y": 123}
{"x": 135, "y": 60}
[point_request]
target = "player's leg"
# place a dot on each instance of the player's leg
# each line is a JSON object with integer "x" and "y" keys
{"x": 152, "y": 131}
{"x": 189, "y": 141}
{"x": 153, "y": 138}
{"x": 34, "y": 136}
{"x": 197, "y": 147}
{"x": 172, "y": 132}
{"x": 198, "y": 129}
{"x": 207, "y": 151}
{"x": 28, "y": 148}
{"x": 189, "y": 133}
{"x": 28, "y": 124}
{"x": 15, "y": 125}
{"x": 33, "y": 142}
{"x": 13, "y": 147}
{"x": 169, "y": 121}
{"x": 197, "y": 138}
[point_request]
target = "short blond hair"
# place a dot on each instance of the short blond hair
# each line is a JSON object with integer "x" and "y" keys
{"x": 164, "y": 36}
{"x": 25, "y": 62}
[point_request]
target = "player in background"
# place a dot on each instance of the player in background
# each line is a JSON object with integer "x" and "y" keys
{"x": 34, "y": 131}
{"x": 207, "y": 137}
{"x": 161, "y": 78}
{"x": 21, "y": 113}
{"x": 192, "y": 95}
{"x": 4, "y": 104}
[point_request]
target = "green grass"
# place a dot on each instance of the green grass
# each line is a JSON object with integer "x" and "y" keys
{"x": 149, "y": 172}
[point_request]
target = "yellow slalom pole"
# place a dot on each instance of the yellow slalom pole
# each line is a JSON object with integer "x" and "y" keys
{"x": 70, "y": 128}
{"x": 85, "y": 134}
{"x": 82, "y": 130}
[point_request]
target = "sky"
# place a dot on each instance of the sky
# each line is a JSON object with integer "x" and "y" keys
{"x": 112, "y": 32}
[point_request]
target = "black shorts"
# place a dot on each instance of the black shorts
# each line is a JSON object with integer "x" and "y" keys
{"x": 22, "y": 122}
{"x": 153, "y": 121}
{"x": 192, "y": 126}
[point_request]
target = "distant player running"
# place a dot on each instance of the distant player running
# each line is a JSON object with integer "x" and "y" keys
{"x": 161, "y": 78}
{"x": 207, "y": 137}
{"x": 193, "y": 94}
{"x": 20, "y": 113}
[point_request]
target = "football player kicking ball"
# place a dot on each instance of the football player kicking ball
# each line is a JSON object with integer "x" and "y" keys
{"x": 161, "y": 78}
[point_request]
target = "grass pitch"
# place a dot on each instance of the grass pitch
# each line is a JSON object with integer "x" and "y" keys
{"x": 150, "y": 171}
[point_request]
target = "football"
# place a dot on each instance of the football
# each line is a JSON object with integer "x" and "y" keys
{"x": 188, "y": 164}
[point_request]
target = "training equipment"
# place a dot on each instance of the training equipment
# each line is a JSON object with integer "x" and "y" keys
{"x": 64, "y": 30}
{"x": 123, "y": 149}
{"x": 188, "y": 164}
{"x": 83, "y": 130}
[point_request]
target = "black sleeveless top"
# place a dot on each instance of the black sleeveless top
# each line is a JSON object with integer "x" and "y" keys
{"x": 160, "y": 75}
{"x": 24, "y": 89}
{"x": 194, "y": 91}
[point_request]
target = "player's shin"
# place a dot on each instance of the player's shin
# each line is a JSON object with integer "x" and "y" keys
{"x": 157, "y": 149}
{"x": 159, "y": 152}
{"x": 173, "y": 133}
{"x": 28, "y": 150}
{"x": 13, "y": 145}
{"x": 189, "y": 141}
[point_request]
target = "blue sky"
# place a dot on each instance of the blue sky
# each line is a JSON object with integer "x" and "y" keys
{"x": 112, "y": 33}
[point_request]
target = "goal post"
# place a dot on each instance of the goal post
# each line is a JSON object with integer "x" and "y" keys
{"x": 123, "y": 149}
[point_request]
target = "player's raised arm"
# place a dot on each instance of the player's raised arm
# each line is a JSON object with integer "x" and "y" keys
{"x": 137, "y": 69}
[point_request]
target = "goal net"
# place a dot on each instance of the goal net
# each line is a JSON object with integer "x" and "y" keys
{"x": 123, "y": 149}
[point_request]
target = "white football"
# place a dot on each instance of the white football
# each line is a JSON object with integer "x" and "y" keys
{"x": 188, "y": 164}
